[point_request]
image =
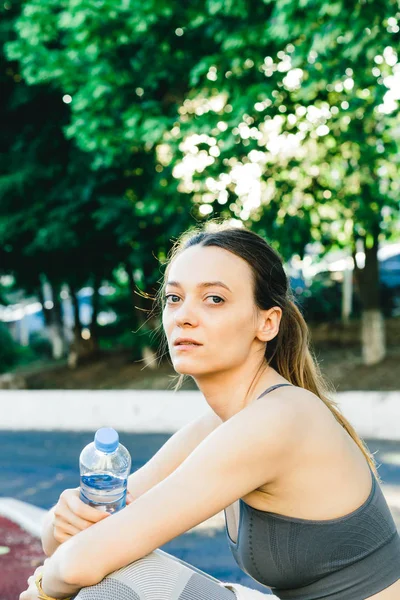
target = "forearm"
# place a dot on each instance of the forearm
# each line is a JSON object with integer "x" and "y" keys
{"x": 49, "y": 543}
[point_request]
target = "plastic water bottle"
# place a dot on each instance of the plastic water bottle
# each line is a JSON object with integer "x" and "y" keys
{"x": 104, "y": 468}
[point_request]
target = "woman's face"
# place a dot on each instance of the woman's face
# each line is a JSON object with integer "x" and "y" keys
{"x": 223, "y": 320}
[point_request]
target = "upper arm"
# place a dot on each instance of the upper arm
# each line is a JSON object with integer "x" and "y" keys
{"x": 175, "y": 450}
{"x": 245, "y": 452}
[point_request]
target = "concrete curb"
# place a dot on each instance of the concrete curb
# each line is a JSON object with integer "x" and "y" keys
{"x": 86, "y": 410}
{"x": 373, "y": 414}
{"x": 26, "y": 515}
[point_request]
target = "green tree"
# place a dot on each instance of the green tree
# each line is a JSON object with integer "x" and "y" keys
{"x": 304, "y": 141}
{"x": 280, "y": 115}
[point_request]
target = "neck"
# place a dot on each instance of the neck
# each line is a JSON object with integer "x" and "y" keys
{"x": 228, "y": 392}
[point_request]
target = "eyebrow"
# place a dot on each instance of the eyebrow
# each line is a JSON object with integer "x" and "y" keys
{"x": 205, "y": 284}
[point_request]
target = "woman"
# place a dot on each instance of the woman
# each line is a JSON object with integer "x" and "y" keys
{"x": 304, "y": 509}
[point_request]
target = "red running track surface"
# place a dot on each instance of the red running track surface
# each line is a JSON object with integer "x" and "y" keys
{"x": 24, "y": 556}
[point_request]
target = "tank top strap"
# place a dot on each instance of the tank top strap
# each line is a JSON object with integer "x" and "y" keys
{"x": 273, "y": 387}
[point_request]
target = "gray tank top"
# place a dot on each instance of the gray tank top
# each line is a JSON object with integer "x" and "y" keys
{"x": 349, "y": 558}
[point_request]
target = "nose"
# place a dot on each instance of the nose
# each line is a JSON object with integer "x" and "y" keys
{"x": 184, "y": 315}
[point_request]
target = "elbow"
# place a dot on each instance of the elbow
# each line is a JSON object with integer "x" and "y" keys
{"x": 77, "y": 573}
{"x": 79, "y": 577}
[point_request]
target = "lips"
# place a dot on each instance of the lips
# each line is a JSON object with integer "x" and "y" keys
{"x": 186, "y": 342}
{"x": 186, "y": 347}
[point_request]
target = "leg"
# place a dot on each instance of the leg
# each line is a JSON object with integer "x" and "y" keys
{"x": 157, "y": 576}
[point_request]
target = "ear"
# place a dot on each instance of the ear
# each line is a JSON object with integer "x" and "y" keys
{"x": 269, "y": 321}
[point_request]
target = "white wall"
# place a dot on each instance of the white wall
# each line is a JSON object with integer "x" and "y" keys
{"x": 374, "y": 414}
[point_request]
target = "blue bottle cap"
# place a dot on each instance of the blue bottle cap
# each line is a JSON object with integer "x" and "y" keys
{"x": 106, "y": 439}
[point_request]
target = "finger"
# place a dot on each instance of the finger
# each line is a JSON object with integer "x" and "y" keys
{"x": 66, "y": 528}
{"x": 84, "y": 511}
{"x": 74, "y": 510}
{"x": 129, "y": 498}
{"x": 66, "y": 517}
{"x": 62, "y": 537}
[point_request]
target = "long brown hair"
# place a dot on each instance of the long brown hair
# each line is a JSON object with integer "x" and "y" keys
{"x": 290, "y": 352}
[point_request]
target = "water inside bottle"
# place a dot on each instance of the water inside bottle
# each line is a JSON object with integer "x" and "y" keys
{"x": 104, "y": 491}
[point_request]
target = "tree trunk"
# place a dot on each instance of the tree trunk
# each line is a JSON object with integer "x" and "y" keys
{"x": 74, "y": 349}
{"x": 53, "y": 320}
{"x": 94, "y": 328}
{"x": 57, "y": 326}
{"x": 42, "y": 299}
{"x": 75, "y": 306}
{"x": 347, "y": 294}
{"x": 81, "y": 349}
{"x": 149, "y": 357}
{"x": 23, "y": 331}
{"x": 56, "y": 341}
{"x": 372, "y": 324}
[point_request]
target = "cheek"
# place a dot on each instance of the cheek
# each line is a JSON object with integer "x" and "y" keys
{"x": 167, "y": 326}
{"x": 166, "y": 320}
{"x": 233, "y": 332}
{"x": 239, "y": 324}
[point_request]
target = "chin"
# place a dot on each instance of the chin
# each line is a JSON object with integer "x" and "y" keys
{"x": 183, "y": 369}
{"x": 196, "y": 373}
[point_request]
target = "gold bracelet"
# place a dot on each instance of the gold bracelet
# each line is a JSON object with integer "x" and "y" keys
{"x": 41, "y": 593}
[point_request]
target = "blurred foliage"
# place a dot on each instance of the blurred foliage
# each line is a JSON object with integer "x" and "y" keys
{"x": 40, "y": 345}
{"x": 321, "y": 302}
{"x": 128, "y": 331}
{"x": 14, "y": 355}
{"x": 58, "y": 217}
{"x": 126, "y": 123}
{"x": 8, "y": 350}
{"x": 236, "y": 74}
{"x": 120, "y": 334}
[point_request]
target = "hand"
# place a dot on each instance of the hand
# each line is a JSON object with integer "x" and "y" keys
{"x": 72, "y": 515}
{"x": 31, "y": 593}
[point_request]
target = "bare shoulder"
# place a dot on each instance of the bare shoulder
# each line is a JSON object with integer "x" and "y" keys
{"x": 301, "y": 401}
{"x": 278, "y": 420}
{"x": 291, "y": 402}
{"x": 297, "y": 415}
{"x": 286, "y": 403}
